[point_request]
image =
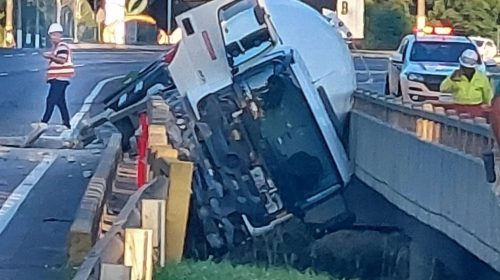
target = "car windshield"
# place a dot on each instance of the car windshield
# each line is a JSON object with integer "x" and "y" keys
{"x": 439, "y": 51}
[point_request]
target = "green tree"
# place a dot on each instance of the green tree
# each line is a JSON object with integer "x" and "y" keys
{"x": 476, "y": 17}
{"x": 386, "y": 22}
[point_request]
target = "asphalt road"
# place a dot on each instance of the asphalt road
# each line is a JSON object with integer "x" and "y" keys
{"x": 40, "y": 189}
{"x": 23, "y": 87}
{"x": 371, "y": 73}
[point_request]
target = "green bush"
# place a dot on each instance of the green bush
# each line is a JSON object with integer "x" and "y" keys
{"x": 476, "y": 17}
{"x": 190, "y": 270}
{"x": 385, "y": 24}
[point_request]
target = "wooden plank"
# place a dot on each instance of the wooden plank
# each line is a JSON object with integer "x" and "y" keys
{"x": 153, "y": 217}
{"x": 164, "y": 151}
{"x": 157, "y": 135}
{"x": 115, "y": 272}
{"x": 139, "y": 253}
{"x": 94, "y": 256}
{"x": 179, "y": 194}
{"x": 150, "y": 217}
{"x": 34, "y": 134}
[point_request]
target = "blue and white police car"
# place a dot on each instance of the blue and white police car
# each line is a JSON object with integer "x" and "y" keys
{"x": 423, "y": 60}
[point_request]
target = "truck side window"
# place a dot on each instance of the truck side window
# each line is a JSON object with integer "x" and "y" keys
{"x": 188, "y": 26}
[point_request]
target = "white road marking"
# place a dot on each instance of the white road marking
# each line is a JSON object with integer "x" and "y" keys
{"x": 77, "y": 118}
{"x": 34, "y": 70}
{"x": 11, "y": 206}
{"x": 34, "y": 53}
{"x": 20, "y": 54}
{"x": 8, "y": 55}
{"x": 3, "y": 74}
{"x": 79, "y": 65}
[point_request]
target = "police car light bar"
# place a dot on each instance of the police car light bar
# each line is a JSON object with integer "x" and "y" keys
{"x": 430, "y": 30}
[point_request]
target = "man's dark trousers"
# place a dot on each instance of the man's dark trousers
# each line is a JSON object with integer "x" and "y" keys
{"x": 57, "y": 97}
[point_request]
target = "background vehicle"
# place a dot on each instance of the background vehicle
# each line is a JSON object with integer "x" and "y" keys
{"x": 352, "y": 14}
{"x": 487, "y": 48}
{"x": 422, "y": 62}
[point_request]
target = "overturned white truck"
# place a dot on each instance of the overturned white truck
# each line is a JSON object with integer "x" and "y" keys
{"x": 264, "y": 90}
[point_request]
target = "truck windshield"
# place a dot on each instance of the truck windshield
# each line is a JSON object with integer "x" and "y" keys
{"x": 293, "y": 145}
{"x": 439, "y": 51}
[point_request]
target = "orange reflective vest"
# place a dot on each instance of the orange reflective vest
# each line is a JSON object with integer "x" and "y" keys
{"x": 64, "y": 71}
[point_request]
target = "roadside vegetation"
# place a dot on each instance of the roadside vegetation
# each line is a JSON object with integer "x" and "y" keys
{"x": 207, "y": 270}
{"x": 386, "y": 22}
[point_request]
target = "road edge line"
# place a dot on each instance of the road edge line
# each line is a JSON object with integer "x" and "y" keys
{"x": 21, "y": 192}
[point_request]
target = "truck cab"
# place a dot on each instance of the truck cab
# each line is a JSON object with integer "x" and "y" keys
{"x": 269, "y": 101}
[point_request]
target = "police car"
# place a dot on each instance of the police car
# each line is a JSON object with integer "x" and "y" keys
{"x": 423, "y": 61}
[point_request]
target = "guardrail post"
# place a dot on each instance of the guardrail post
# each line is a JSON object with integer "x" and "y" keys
{"x": 142, "y": 151}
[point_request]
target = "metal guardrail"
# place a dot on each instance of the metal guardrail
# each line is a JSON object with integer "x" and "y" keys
{"x": 90, "y": 266}
{"x": 152, "y": 224}
{"x": 429, "y": 122}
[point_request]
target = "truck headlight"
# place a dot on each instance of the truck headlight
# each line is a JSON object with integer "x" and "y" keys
{"x": 415, "y": 77}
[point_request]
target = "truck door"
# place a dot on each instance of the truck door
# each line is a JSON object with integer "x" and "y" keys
{"x": 324, "y": 122}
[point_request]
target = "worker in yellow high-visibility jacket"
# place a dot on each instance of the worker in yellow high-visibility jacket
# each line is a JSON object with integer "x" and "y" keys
{"x": 468, "y": 86}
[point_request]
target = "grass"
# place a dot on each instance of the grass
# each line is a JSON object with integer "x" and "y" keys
{"x": 191, "y": 270}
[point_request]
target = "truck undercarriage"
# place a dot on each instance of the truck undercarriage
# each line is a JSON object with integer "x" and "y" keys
{"x": 260, "y": 158}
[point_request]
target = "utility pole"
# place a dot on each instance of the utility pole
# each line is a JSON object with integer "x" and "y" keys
{"x": 76, "y": 14}
{"x": 19, "y": 24}
{"x": 58, "y": 11}
{"x": 169, "y": 19}
{"x": 420, "y": 15}
{"x": 9, "y": 10}
{"x": 37, "y": 24}
{"x": 498, "y": 38}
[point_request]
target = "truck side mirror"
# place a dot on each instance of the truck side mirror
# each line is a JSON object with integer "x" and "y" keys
{"x": 397, "y": 58}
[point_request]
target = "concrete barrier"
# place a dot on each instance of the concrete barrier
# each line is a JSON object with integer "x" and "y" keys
{"x": 85, "y": 227}
{"x": 442, "y": 186}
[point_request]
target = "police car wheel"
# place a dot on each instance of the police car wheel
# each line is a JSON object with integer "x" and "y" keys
{"x": 387, "y": 87}
{"x": 399, "y": 92}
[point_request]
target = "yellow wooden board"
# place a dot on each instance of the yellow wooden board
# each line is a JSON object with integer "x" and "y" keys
{"x": 139, "y": 253}
{"x": 179, "y": 194}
